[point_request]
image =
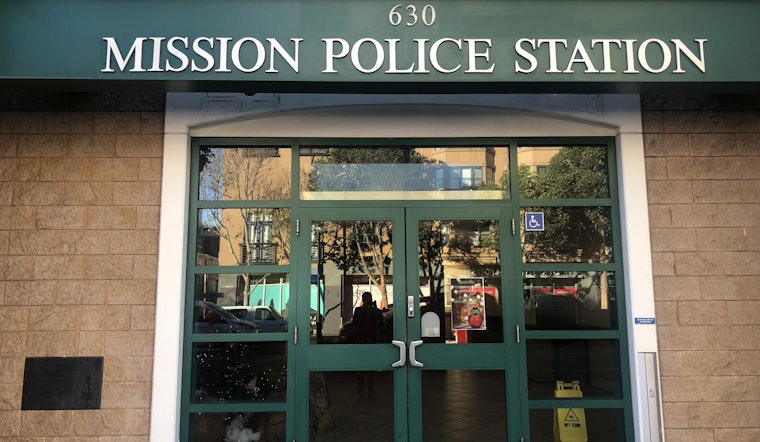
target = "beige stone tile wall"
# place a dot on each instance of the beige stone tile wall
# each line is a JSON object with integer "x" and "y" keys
{"x": 80, "y": 179}
{"x": 703, "y": 179}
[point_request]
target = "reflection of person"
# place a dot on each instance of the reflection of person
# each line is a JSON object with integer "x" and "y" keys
{"x": 367, "y": 320}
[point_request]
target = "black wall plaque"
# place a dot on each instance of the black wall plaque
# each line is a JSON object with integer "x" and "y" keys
{"x": 66, "y": 383}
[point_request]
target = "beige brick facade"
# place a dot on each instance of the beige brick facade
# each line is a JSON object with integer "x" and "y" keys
{"x": 80, "y": 179}
{"x": 703, "y": 177}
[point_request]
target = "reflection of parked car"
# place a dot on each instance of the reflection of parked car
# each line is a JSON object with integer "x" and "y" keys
{"x": 265, "y": 317}
{"x": 210, "y": 318}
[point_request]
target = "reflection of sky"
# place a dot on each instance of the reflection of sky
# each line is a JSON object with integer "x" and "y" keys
{"x": 205, "y": 217}
{"x": 211, "y": 176}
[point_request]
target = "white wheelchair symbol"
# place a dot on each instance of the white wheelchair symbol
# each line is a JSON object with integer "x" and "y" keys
{"x": 534, "y": 221}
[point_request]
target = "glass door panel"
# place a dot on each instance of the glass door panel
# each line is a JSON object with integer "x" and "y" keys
{"x": 458, "y": 374}
{"x": 409, "y": 341}
{"x": 464, "y": 405}
{"x": 460, "y": 280}
{"x": 351, "y": 406}
{"x": 352, "y": 292}
{"x": 356, "y": 383}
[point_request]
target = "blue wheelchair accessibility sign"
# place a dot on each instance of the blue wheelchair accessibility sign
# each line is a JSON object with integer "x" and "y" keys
{"x": 534, "y": 221}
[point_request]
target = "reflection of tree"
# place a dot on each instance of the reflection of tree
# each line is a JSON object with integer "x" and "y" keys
{"x": 347, "y": 169}
{"x": 243, "y": 174}
{"x": 469, "y": 242}
{"x": 474, "y": 242}
{"x": 360, "y": 247}
{"x": 431, "y": 242}
{"x": 572, "y": 234}
{"x": 246, "y": 174}
{"x": 575, "y": 234}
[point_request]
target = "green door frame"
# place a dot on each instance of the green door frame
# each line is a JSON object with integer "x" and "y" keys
{"x": 342, "y": 357}
{"x": 482, "y": 356}
{"x": 434, "y": 356}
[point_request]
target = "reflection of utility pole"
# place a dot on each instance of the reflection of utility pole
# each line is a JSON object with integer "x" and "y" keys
{"x": 253, "y": 285}
{"x": 604, "y": 291}
{"x": 318, "y": 254}
{"x": 320, "y": 284}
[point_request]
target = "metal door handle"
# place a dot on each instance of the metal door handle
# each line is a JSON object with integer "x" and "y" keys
{"x": 413, "y": 353}
{"x": 401, "y": 353}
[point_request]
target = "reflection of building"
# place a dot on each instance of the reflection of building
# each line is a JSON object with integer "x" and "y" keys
{"x": 207, "y": 253}
{"x": 537, "y": 158}
{"x": 259, "y": 246}
{"x": 466, "y": 167}
{"x": 207, "y": 249}
{"x": 470, "y": 167}
{"x": 251, "y": 234}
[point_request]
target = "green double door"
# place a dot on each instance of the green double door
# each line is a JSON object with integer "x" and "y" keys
{"x": 408, "y": 331}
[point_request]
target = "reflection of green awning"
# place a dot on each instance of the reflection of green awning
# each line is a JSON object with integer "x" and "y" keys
{"x": 354, "y": 46}
{"x": 277, "y": 295}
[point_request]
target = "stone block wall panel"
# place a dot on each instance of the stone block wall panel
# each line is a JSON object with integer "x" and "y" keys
{"x": 703, "y": 159}
{"x": 80, "y": 178}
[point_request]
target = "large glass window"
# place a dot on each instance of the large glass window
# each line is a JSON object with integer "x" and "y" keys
{"x": 571, "y": 308}
{"x": 593, "y": 363}
{"x": 569, "y": 234}
{"x": 243, "y": 173}
{"x": 563, "y": 171}
{"x": 242, "y": 236}
{"x": 570, "y": 300}
{"x": 238, "y": 291}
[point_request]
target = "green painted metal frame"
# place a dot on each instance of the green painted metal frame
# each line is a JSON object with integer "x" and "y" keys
{"x": 325, "y": 357}
{"x": 513, "y": 361}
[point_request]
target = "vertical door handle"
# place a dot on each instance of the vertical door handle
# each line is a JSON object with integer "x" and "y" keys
{"x": 401, "y": 353}
{"x": 413, "y": 353}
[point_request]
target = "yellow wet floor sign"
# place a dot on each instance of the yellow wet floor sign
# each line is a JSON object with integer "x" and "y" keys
{"x": 569, "y": 423}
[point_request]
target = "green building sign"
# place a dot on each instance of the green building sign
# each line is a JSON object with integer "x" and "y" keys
{"x": 286, "y": 44}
